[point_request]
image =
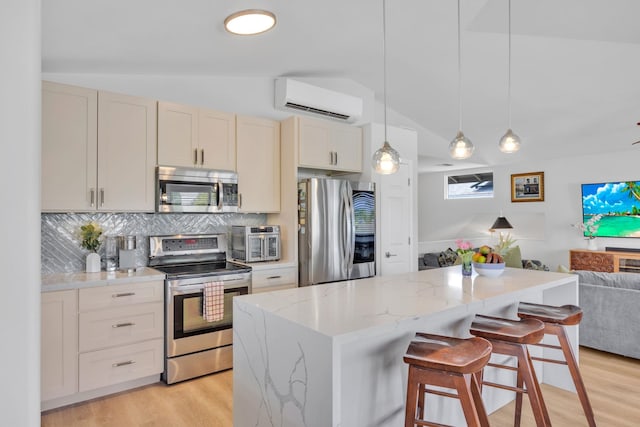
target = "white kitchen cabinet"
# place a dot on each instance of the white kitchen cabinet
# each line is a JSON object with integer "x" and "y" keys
{"x": 69, "y": 147}
{"x": 120, "y": 330}
{"x": 59, "y": 344}
{"x": 196, "y": 137}
{"x": 329, "y": 146}
{"x": 258, "y": 161}
{"x": 127, "y": 127}
{"x": 273, "y": 277}
{"x": 98, "y": 150}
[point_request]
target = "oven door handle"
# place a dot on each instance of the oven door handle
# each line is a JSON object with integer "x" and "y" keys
{"x": 200, "y": 286}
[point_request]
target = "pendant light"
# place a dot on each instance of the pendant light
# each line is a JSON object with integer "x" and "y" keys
{"x": 510, "y": 142}
{"x": 461, "y": 147}
{"x": 385, "y": 160}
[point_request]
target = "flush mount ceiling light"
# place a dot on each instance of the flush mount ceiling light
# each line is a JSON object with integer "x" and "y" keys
{"x": 510, "y": 142}
{"x": 249, "y": 22}
{"x": 461, "y": 147}
{"x": 385, "y": 160}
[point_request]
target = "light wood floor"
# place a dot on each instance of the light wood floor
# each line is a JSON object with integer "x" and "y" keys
{"x": 613, "y": 385}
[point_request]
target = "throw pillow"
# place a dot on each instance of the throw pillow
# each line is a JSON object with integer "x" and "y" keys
{"x": 447, "y": 258}
{"x": 513, "y": 258}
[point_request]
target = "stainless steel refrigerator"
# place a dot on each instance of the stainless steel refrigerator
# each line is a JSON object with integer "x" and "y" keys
{"x": 336, "y": 233}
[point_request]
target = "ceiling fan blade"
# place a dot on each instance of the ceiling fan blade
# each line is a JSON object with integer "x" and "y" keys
{"x": 634, "y": 143}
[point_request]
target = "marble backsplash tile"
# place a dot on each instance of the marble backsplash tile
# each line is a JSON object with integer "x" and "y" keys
{"x": 61, "y": 251}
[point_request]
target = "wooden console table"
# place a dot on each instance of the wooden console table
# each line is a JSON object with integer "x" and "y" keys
{"x": 606, "y": 261}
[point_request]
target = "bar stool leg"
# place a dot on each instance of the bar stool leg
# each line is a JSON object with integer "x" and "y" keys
{"x": 559, "y": 331}
{"x": 528, "y": 374}
{"x": 518, "y": 412}
{"x": 412, "y": 397}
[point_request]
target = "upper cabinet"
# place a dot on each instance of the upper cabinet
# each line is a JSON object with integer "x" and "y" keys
{"x": 196, "y": 137}
{"x": 258, "y": 158}
{"x": 69, "y": 147}
{"x": 329, "y": 146}
{"x": 98, "y": 150}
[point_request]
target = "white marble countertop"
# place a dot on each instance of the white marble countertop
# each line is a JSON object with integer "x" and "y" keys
{"x": 266, "y": 265}
{"x": 63, "y": 281}
{"x": 341, "y": 308}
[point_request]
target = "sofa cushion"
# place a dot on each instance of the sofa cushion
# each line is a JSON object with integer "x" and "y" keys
{"x": 513, "y": 258}
{"x": 430, "y": 259}
{"x": 612, "y": 280}
{"x": 447, "y": 258}
{"x": 534, "y": 264}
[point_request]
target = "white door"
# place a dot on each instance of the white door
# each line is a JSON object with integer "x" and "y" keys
{"x": 396, "y": 221}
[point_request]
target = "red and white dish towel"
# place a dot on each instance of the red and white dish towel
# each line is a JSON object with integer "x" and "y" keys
{"x": 213, "y": 302}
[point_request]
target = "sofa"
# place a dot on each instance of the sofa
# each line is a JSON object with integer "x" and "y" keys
{"x": 611, "y": 312}
{"x": 448, "y": 257}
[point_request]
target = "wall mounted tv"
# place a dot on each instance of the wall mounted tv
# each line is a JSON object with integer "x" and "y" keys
{"x": 619, "y": 205}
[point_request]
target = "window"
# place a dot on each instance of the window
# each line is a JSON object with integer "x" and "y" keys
{"x": 471, "y": 186}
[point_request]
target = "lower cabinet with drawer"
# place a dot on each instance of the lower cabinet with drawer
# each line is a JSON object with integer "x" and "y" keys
{"x": 273, "y": 278}
{"x": 120, "y": 333}
{"x": 119, "y": 341}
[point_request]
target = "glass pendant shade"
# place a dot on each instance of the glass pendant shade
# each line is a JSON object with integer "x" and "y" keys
{"x": 386, "y": 160}
{"x": 509, "y": 143}
{"x": 461, "y": 148}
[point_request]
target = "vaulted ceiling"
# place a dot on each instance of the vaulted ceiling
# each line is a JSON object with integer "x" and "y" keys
{"x": 575, "y": 63}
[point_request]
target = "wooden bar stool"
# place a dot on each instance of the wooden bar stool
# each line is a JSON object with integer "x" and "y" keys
{"x": 510, "y": 337}
{"x": 446, "y": 362}
{"x": 554, "y": 319}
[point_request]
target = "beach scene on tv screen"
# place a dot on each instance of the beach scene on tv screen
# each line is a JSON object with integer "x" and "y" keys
{"x": 619, "y": 205}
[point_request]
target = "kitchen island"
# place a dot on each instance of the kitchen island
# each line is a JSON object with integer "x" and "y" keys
{"x": 331, "y": 355}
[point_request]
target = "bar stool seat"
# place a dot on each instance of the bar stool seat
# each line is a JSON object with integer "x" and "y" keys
{"x": 448, "y": 362}
{"x": 555, "y": 318}
{"x": 511, "y": 337}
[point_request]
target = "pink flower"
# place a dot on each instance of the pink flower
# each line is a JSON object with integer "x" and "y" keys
{"x": 463, "y": 246}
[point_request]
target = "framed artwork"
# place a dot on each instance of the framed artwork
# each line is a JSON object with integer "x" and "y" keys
{"x": 527, "y": 187}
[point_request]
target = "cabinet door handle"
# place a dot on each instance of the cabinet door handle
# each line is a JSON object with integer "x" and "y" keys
{"x": 389, "y": 254}
{"x": 128, "y": 362}
{"x": 336, "y": 156}
{"x": 239, "y": 200}
{"x": 195, "y": 156}
{"x": 124, "y": 294}
{"x": 202, "y": 156}
{"x": 274, "y": 277}
{"x": 122, "y": 325}
{"x": 330, "y": 157}
{"x": 101, "y": 197}
{"x": 92, "y": 196}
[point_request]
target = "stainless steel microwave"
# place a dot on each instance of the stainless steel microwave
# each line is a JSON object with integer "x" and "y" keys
{"x": 255, "y": 243}
{"x": 196, "y": 190}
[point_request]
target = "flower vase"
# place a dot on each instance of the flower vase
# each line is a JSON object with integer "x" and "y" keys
{"x": 466, "y": 268}
{"x": 93, "y": 263}
{"x": 591, "y": 245}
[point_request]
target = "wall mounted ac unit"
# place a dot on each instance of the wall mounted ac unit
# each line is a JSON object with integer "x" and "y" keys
{"x": 303, "y": 97}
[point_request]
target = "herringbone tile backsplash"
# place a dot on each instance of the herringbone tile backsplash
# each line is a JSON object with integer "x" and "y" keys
{"x": 61, "y": 251}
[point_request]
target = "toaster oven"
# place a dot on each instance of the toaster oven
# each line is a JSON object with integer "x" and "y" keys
{"x": 255, "y": 243}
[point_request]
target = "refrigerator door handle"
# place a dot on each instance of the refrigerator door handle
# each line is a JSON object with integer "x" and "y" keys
{"x": 350, "y": 229}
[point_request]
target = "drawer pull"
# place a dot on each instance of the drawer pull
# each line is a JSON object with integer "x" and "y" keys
{"x": 274, "y": 277}
{"x": 122, "y": 325}
{"x": 124, "y": 294}
{"x": 119, "y": 364}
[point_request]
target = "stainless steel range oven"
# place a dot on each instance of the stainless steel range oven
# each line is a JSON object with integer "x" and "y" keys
{"x": 195, "y": 346}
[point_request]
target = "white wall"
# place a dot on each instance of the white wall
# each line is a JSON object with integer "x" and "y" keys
{"x": 20, "y": 213}
{"x": 543, "y": 229}
{"x": 253, "y": 96}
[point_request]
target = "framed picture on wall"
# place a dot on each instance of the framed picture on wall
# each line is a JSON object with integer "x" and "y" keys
{"x": 527, "y": 187}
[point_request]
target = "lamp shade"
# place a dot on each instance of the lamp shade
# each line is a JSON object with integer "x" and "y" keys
{"x": 386, "y": 160}
{"x": 501, "y": 223}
